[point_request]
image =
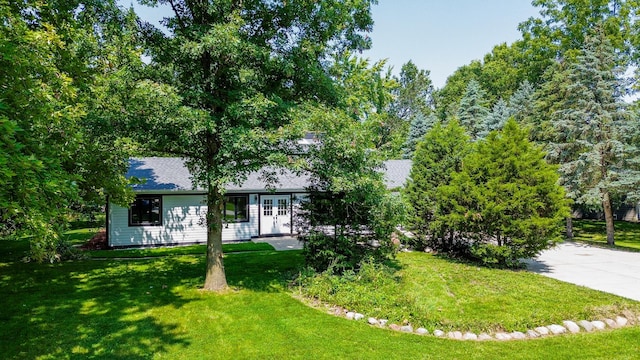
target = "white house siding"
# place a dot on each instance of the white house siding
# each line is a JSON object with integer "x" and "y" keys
{"x": 181, "y": 219}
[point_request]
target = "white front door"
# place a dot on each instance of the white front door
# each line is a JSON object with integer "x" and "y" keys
{"x": 275, "y": 214}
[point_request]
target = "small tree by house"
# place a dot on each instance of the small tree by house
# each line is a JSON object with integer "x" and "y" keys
{"x": 348, "y": 215}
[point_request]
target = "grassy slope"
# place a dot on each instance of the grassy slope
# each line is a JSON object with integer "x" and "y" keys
{"x": 440, "y": 294}
{"x": 152, "y": 308}
{"x": 627, "y": 234}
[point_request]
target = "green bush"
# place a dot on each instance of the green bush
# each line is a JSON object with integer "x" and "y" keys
{"x": 503, "y": 203}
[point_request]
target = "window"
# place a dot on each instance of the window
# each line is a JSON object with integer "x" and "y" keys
{"x": 267, "y": 207}
{"x": 283, "y": 208}
{"x": 236, "y": 208}
{"x": 146, "y": 210}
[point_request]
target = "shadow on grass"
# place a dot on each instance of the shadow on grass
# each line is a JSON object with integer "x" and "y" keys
{"x": 268, "y": 271}
{"x": 627, "y": 234}
{"x": 88, "y": 309}
{"x": 111, "y": 309}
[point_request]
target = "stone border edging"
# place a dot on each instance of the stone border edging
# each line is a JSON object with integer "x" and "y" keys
{"x": 567, "y": 327}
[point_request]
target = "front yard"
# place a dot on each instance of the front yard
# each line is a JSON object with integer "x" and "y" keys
{"x": 153, "y": 308}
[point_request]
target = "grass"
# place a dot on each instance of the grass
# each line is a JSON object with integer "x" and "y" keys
{"x": 80, "y": 236}
{"x": 626, "y": 234}
{"x": 438, "y": 293}
{"x": 181, "y": 250}
{"x": 153, "y": 308}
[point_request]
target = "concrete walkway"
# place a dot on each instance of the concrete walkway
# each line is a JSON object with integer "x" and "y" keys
{"x": 613, "y": 271}
{"x": 282, "y": 243}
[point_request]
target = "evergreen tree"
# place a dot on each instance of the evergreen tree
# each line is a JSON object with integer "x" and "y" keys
{"x": 521, "y": 102}
{"x": 473, "y": 109}
{"x": 437, "y": 156}
{"x": 505, "y": 204}
{"x": 496, "y": 118}
{"x": 420, "y": 125}
{"x": 592, "y": 128}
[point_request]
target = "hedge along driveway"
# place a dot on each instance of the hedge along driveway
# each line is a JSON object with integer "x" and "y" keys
{"x": 613, "y": 271}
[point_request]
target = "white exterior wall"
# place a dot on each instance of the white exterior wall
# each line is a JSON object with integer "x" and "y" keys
{"x": 181, "y": 216}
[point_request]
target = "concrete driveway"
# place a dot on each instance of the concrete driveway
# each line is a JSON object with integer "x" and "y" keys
{"x": 612, "y": 271}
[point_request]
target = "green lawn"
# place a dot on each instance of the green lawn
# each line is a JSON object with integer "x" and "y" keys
{"x": 80, "y": 236}
{"x": 437, "y": 293}
{"x": 180, "y": 250}
{"x": 153, "y": 308}
{"x": 626, "y": 234}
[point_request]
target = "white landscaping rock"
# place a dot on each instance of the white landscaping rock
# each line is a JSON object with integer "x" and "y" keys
{"x": 407, "y": 328}
{"x": 598, "y": 325}
{"x": 457, "y": 335}
{"x": 484, "y": 336}
{"x": 372, "y": 321}
{"x": 542, "y": 330}
{"x": 350, "y": 315}
{"x": 571, "y": 326}
{"x": 438, "y": 333}
{"x": 622, "y": 322}
{"x": 587, "y": 325}
{"x": 517, "y": 335}
{"x": 533, "y": 334}
{"x": 557, "y": 329}
{"x": 383, "y": 322}
{"x": 470, "y": 336}
{"x": 610, "y": 323}
{"x": 503, "y": 336}
{"x": 358, "y": 316}
{"x": 422, "y": 331}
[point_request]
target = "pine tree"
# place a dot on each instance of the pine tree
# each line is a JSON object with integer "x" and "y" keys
{"x": 473, "y": 111}
{"x": 591, "y": 128}
{"x": 437, "y": 156}
{"x": 420, "y": 125}
{"x": 496, "y": 118}
{"x": 521, "y": 102}
{"x": 505, "y": 204}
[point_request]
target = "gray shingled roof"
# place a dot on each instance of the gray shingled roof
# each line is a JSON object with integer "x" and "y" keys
{"x": 170, "y": 174}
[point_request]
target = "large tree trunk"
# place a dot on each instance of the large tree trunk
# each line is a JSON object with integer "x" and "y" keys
{"x": 215, "y": 279}
{"x": 569, "y": 228}
{"x": 608, "y": 216}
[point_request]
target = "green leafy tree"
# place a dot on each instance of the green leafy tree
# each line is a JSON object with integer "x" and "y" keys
{"x": 420, "y": 125}
{"x": 505, "y": 204}
{"x": 473, "y": 111}
{"x": 50, "y": 58}
{"x": 348, "y": 215}
{"x": 591, "y": 130}
{"x": 366, "y": 91}
{"x": 241, "y": 67}
{"x": 564, "y": 26}
{"x": 437, "y": 157}
{"x": 413, "y": 96}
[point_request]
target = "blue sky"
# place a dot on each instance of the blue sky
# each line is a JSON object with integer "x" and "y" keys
{"x": 437, "y": 35}
{"x": 442, "y": 35}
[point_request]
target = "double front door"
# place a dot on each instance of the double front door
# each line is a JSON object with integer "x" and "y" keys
{"x": 275, "y": 214}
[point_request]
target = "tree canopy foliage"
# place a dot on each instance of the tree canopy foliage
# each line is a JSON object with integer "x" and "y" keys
{"x": 240, "y": 67}
{"x": 54, "y": 159}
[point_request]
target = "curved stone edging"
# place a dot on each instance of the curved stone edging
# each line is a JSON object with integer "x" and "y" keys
{"x": 567, "y": 327}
